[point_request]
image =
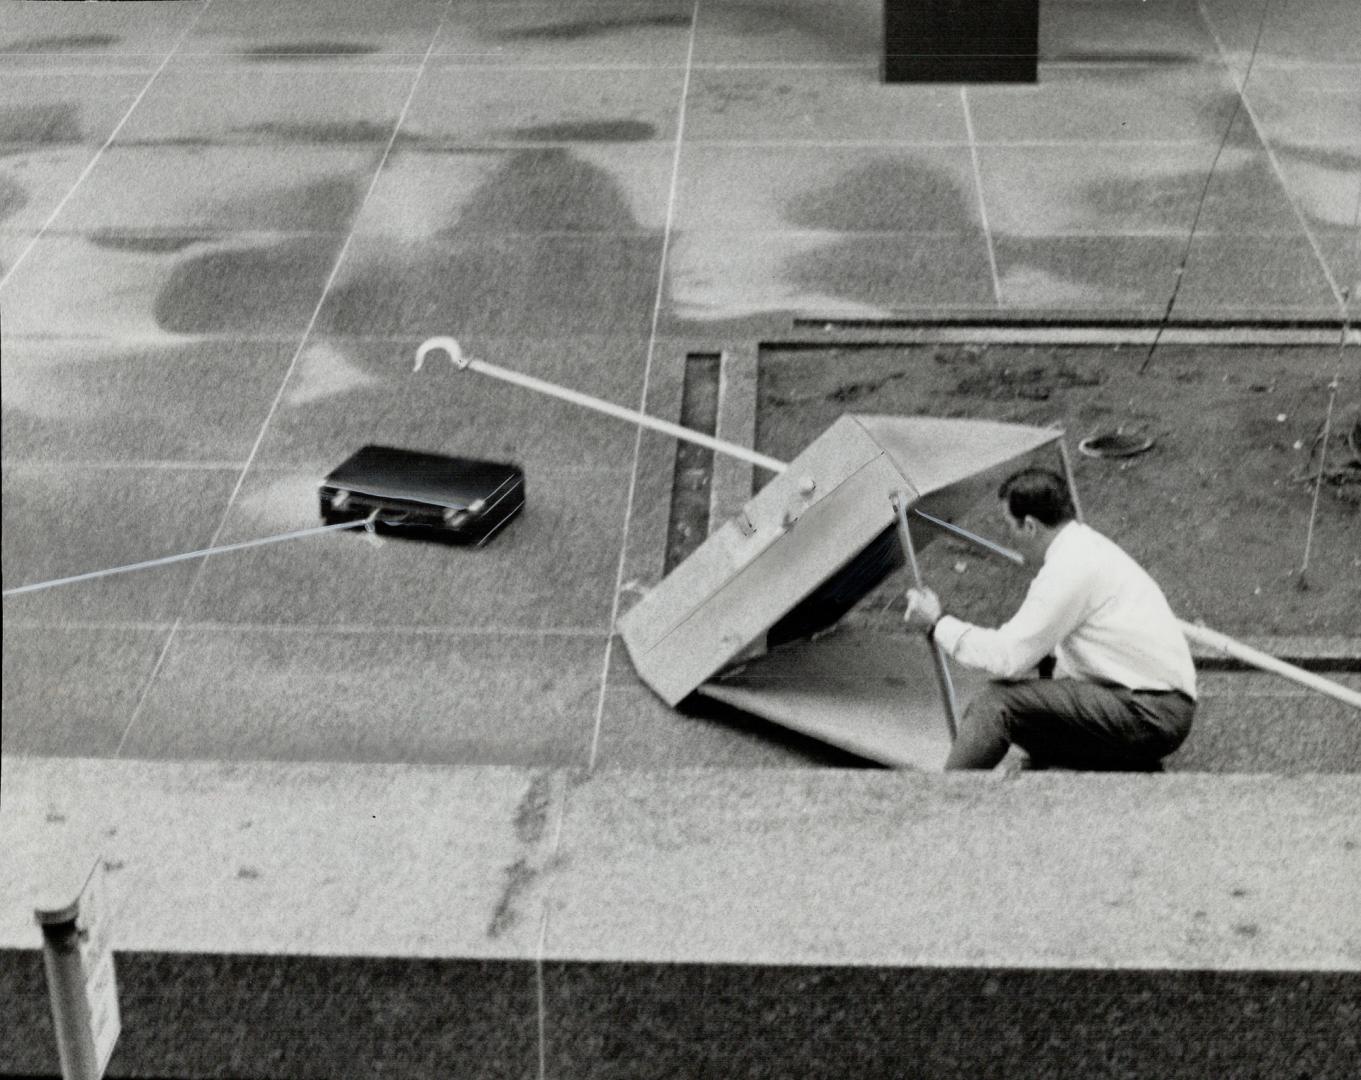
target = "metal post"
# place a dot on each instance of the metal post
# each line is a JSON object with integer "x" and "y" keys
{"x": 78, "y": 959}
{"x": 1072, "y": 482}
{"x": 70, "y": 1010}
{"x": 947, "y": 686}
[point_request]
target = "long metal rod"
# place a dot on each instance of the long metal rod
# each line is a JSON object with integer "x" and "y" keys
{"x": 1258, "y": 659}
{"x": 950, "y": 527}
{"x": 1072, "y": 480}
{"x": 947, "y": 686}
{"x": 451, "y": 346}
{"x": 1213, "y": 638}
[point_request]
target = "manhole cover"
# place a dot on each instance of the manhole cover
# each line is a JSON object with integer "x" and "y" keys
{"x": 1115, "y": 444}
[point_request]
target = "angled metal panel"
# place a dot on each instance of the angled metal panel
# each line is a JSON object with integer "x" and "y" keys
{"x": 755, "y": 570}
{"x": 938, "y": 452}
{"x": 836, "y": 454}
{"x": 873, "y": 694}
{"x": 742, "y": 608}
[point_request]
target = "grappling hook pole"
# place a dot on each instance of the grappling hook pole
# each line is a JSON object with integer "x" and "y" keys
{"x": 462, "y": 362}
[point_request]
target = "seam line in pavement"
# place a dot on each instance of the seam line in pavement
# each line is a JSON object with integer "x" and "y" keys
{"x": 89, "y": 166}
{"x": 560, "y": 806}
{"x": 288, "y": 374}
{"x": 647, "y": 379}
{"x": 146, "y": 688}
{"x": 982, "y": 205}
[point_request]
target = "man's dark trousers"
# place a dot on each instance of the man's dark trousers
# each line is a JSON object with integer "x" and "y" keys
{"x": 1072, "y": 723}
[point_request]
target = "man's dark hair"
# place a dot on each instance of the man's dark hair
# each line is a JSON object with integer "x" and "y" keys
{"x": 1038, "y": 493}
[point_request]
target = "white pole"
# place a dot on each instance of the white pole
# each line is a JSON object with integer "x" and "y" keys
{"x": 451, "y": 346}
{"x": 1202, "y": 634}
{"x": 1246, "y": 653}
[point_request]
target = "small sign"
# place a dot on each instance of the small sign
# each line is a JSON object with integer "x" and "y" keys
{"x": 96, "y": 960}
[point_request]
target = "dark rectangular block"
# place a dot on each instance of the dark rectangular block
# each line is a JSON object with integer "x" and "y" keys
{"x": 961, "y": 40}
{"x": 425, "y": 496}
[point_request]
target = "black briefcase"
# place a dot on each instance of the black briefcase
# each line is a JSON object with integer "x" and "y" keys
{"x": 424, "y": 496}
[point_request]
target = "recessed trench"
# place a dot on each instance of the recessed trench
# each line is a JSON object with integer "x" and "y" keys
{"x": 692, "y": 480}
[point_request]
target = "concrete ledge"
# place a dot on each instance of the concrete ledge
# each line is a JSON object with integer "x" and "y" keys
{"x": 328, "y": 914}
{"x": 1180, "y": 870}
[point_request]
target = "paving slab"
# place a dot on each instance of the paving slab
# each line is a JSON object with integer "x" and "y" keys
{"x": 1032, "y": 191}
{"x": 345, "y": 29}
{"x": 499, "y": 285}
{"x": 1255, "y": 274}
{"x": 156, "y": 285}
{"x": 347, "y": 392}
{"x": 64, "y": 109}
{"x": 1319, "y": 31}
{"x": 1343, "y": 256}
{"x": 839, "y": 190}
{"x": 819, "y": 106}
{"x": 499, "y": 105}
{"x": 1292, "y": 114}
{"x": 58, "y": 34}
{"x": 13, "y": 244}
{"x": 601, "y": 33}
{"x": 1130, "y": 274}
{"x": 1162, "y": 31}
{"x": 553, "y": 566}
{"x": 1121, "y": 104}
{"x": 283, "y": 188}
{"x": 1270, "y": 77}
{"x": 570, "y": 187}
{"x": 384, "y": 695}
{"x": 1325, "y": 185}
{"x": 69, "y": 691}
{"x": 34, "y": 181}
{"x": 62, "y": 520}
{"x": 788, "y": 32}
{"x": 714, "y": 276}
{"x": 249, "y": 104}
{"x": 104, "y": 402}
{"x": 1098, "y": 190}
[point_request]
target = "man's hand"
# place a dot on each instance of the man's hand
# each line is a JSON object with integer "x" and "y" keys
{"x": 923, "y": 609}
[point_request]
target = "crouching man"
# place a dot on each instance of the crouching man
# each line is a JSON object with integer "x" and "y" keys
{"x": 1123, "y": 688}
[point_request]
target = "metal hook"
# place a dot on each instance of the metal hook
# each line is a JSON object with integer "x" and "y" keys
{"x": 449, "y": 345}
